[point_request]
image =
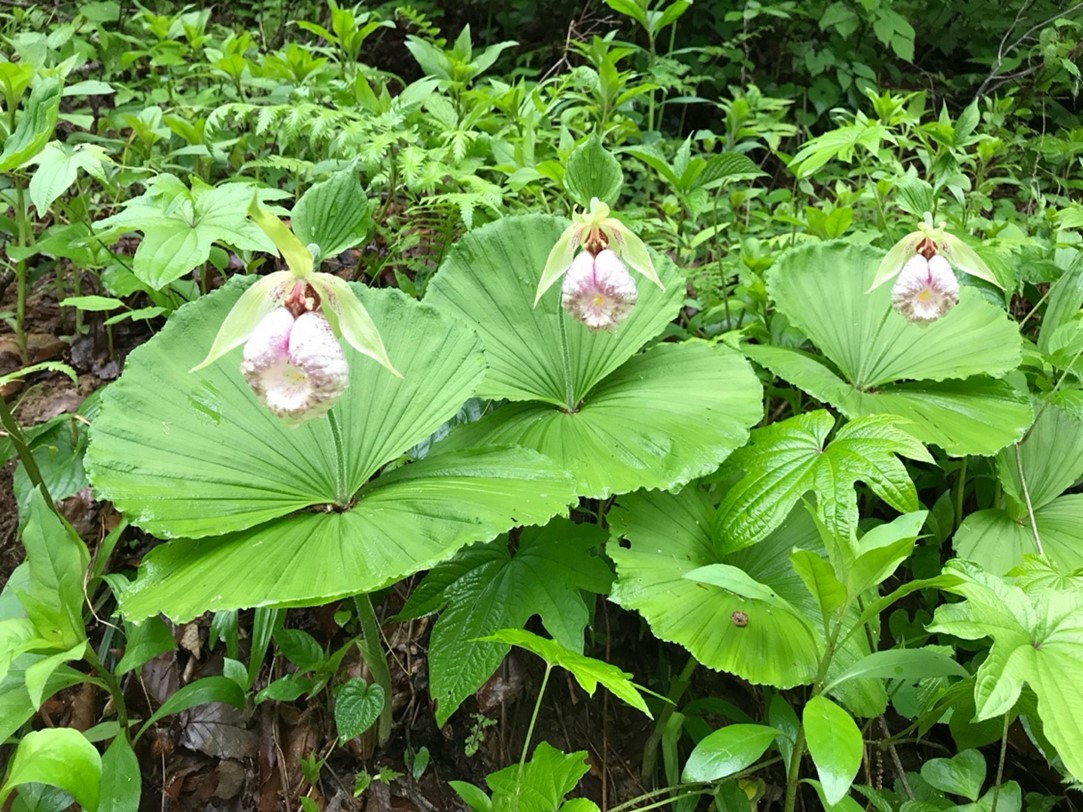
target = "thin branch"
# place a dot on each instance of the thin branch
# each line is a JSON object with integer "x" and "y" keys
{"x": 1026, "y": 498}
{"x": 1003, "y": 51}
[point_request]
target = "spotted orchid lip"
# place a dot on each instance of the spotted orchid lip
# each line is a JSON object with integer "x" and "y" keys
{"x": 598, "y": 290}
{"x": 925, "y": 290}
{"x": 295, "y": 365}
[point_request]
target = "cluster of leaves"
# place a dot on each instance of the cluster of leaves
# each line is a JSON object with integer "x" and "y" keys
{"x": 742, "y": 446}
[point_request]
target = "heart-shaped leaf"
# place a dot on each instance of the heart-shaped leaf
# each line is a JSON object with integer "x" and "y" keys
{"x": 357, "y": 707}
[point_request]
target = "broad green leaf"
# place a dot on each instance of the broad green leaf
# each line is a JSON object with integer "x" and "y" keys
{"x": 60, "y": 757}
{"x": 820, "y": 580}
{"x": 473, "y": 796}
{"x": 900, "y": 663}
{"x": 834, "y": 742}
{"x": 487, "y": 588}
{"x": 727, "y": 751}
{"x": 881, "y": 550}
{"x": 588, "y": 672}
{"x": 58, "y": 562}
{"x": 200, "y": 692}
{"x": 206, "y": 458}
{"x": 1037, "y": 640}
{"x": 144, "y": 641}
{"x": 669, "y": 536}
{"x": 34, "y": 126}
{"x": 1050, "y": 455}
{"x": 664, "y": 418}
{"x": 998, "y": 542}
{"x": 978, "y": 415}
{"x": 122, "y": 782}
{"x": 300, "y": 648}
{"x": 542, "y": 783}
{"x": 592, "y": 171}
{"x": 921, "y": 372}
{"x": 488, "y": 279}
{"x": 404, "y": 521}
{"x": 334, "y": 214}
{"x": 357, "y": 707}
{"x": 963, "y": 774}
{"x": 180, "y": 226}
{"x": 786, "y": 460}
{"x": 58, "y": 165}
{"x": 96, "y": 304}
{"x": 16, "y": 704}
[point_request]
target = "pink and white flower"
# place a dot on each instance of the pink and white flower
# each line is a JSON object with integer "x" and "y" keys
{"x": 295, "y": 365}
{"x": 926, "y": 289}
{"x": 598, "y": 290}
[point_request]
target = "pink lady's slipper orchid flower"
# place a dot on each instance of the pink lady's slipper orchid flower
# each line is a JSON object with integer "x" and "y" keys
{"x": 926, "y": 288}
{"x": 288, "y": 322}
{"x": 598, "y": 290}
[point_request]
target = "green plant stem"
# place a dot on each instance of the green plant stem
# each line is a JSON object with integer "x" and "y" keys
{"x": 112, "y": 685}
{"x": 530, "y": 729}
{"x": 26, "y": 456}
{"x": 676, "y": 690}
{"x": 793, "y": 773}
{"x": 1026, "y": 498}
{"x": 569, "y": 390}
{"x": 376, "y": 659}
{"x": 341, "y": 496}
{"x": 960, "y": 492}
{"x": 1000, "y": 763}
{"x": 20, "y": 268}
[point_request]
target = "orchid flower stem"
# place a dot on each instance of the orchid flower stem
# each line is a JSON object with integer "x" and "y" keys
{"x": 569, "y": 390}
{"x": 376, "y": 659}
{"x": 341, "y": 496}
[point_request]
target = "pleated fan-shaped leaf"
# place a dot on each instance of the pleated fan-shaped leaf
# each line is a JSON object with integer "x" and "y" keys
{"x": 269, "y": 515}
{"x": 948, "y": 377}
{"x": 617, "y": 419}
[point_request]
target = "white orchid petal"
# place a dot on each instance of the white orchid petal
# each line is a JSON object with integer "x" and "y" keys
{"x": 598, "y": 290}
{"x": 925, "y": 290}
{"x": 296, "y": 367}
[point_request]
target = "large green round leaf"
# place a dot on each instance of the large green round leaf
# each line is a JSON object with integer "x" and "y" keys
{"x": 195, "y": 454}
{"x": 669, "y": 536}
{"x": 404, "y": 521}
{"x": 664, "y": 418}
{"x": 998, "y": 543}
{"x": 978, "y": 415}
{"x": 942, "y": 376}
{"x": 489, "y": 278}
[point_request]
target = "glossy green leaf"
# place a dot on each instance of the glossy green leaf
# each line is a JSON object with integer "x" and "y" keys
{"x": 144, "y": 641}
{"x": 727, "y": 751}
{"x": 473, "y": 796}
{"x": 487, "y": 588}
{"x": 334, "y": 214}
{"x": 588, "y": 672}
{"x": 488, "y": 279}
{"x": 962, "y": 774}
{"x": 665, "y": 417}
{"x": 978, "y": 415}
{"x": 196, "y": 454}
{"x": 881, "y": 550}
{"x": 1037, "y": 640}
{"x": 404, "y": 521}
{"x": 34, "y": 126}
{"x": 786, "y": 460}
{"x": 60, "y": 757}
{"x": 592, "y": 171}
{"x": 834, "y": 742}
{"x": 667, "y": 537}
{"x": 937, "y": 375}
{"x": 357, "y": 707}
{"x": 900, "y": 663}
{"x": 820, "y": 580}
{"x": 122, "y": 781}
